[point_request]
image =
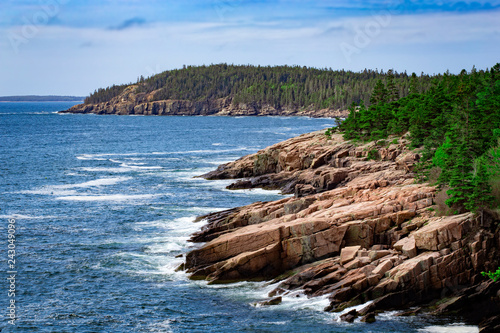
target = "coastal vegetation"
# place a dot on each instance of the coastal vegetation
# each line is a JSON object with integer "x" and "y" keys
{"x": 291, "y": 87}
{"x": 456, "y": 125}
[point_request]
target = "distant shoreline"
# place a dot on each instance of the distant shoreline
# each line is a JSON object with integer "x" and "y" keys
{"x": 35, "y": 98}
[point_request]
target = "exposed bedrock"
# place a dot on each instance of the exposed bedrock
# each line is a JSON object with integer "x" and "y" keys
{"x": 131, "y": 102}
{"x": 356, "y": 230}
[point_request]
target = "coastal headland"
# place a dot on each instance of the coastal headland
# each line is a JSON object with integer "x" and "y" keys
{"x": 359, "y": 228}
{"x": 129, "y": 102}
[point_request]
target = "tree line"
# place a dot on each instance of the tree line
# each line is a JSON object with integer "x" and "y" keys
{"x": 456, "y": 122}
{"x": 292, "y": 87}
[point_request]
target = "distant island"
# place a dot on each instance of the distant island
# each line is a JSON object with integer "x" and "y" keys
{"x": 245, "y": 90}
{"x": 35, "y": 98}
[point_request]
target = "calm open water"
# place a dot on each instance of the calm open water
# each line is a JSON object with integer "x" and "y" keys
{"x": 104, "y": 205}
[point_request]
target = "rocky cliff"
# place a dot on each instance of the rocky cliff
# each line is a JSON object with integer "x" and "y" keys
{"x": 130, "y": 102}
{"x": 359, "y": 228}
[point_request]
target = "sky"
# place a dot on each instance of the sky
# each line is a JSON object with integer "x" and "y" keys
{"x": 72, "y": 47}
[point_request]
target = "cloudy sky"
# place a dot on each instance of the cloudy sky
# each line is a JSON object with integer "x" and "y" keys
{"x": 71, "y": 47}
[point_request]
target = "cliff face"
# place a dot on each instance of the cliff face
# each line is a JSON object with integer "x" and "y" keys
{"x": 356, "y": 230}
{"x": 129, "y": 102}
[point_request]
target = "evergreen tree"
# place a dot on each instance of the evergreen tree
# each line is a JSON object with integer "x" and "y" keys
{"x": 379, "y": 93}
{"x": 480, "y": 197}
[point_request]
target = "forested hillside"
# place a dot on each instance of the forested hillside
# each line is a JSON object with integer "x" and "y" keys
{"x": 280, "y": 86}
{"x": 456, "y": 123}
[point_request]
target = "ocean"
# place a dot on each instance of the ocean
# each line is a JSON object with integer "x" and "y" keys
{"x": 101, "y": 208}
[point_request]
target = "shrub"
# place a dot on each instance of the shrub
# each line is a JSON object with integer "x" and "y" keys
{"x": 373, "y": 154}
{"x": 492, "y": 275}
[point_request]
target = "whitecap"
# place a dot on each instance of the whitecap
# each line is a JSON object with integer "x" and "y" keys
{"x": 69, "y": 189}
{"x": 140, "y": 167}
{"x": 453, "y": 328}
{"x": 109, "y": 197}
{"x": 104, "y": 169}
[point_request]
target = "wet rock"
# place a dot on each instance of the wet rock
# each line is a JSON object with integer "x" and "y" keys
{"x": 349, "y": 316}
{"x": 273, "y": 301}
{"x": 369, "y": 318}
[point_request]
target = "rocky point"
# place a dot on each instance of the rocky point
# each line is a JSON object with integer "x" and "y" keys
{"x": 133, "y": 102}
{"x": 359, "y": 228}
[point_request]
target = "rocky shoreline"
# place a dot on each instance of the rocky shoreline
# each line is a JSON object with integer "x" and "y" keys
{"x": 358, "y": 229}
{"x": 130, "y": 102}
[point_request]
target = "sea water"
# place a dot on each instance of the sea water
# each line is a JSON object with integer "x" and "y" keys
{"x": 103, "y": 209}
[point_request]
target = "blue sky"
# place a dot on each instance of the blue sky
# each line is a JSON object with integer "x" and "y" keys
{"x": 71, "y": 47}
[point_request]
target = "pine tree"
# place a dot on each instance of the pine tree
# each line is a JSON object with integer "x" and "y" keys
{"x": 461, "y": 181}
{"x": 379, "y": 93}
{"x": 480, "y": 197}
{"x": 392, "y": 90}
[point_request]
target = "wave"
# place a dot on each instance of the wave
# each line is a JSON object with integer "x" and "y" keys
{"x": 259, "y": 191}
{"x": 207, "y": 151}
{"x": 69, "y": 189}
{"x": 104, "y": 169}
{"x": 139, "y": 167}
{"x": 109, "y": 197}
{"x": 453, "y": 328}
{"x": 95, "y": 183}
{"x": 105, "y": 156}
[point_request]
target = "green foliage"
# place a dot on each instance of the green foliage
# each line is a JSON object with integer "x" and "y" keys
{"x": 373, "y": 155}
{"x": 105, "y": 94}
{"x": 441, "y": 154}
{"x": 492, "y": 275}
{"x": 292, "y": 87}
{"x": 480, "y": 197}
{"x": 456, "y": 124}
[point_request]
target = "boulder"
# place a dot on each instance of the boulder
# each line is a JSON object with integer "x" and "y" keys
{"x": 348, "y": 253}
{"x": 407, "y": 246}
{"x": 440, "y": 232}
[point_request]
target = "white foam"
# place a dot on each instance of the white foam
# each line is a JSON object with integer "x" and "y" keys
{"x": 453, "y": 328}
{"x": 357, "y": 308}
{"x": 95, "y": 183}
{"x": 258, "y": 191}
{"x": 167, "y": 247}
{"x": 50, "y": 190}
{"x": 69, "y": 189}
{"x": 139, "y": 167}
{"x": 102, "y": 169}
{"x": 110, "y": 197}
{"x": 89, "y": 157}
{"x": 218, "y": 162}
{"x": 103, "y": 157}
{"x": 206, "y": 151}
{"x": 163, "y": 327}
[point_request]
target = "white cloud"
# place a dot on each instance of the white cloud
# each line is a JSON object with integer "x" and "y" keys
{"x": 54, "y": 61}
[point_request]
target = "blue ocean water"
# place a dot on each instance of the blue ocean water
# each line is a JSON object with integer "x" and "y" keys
{"x": 104, "y": 206}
